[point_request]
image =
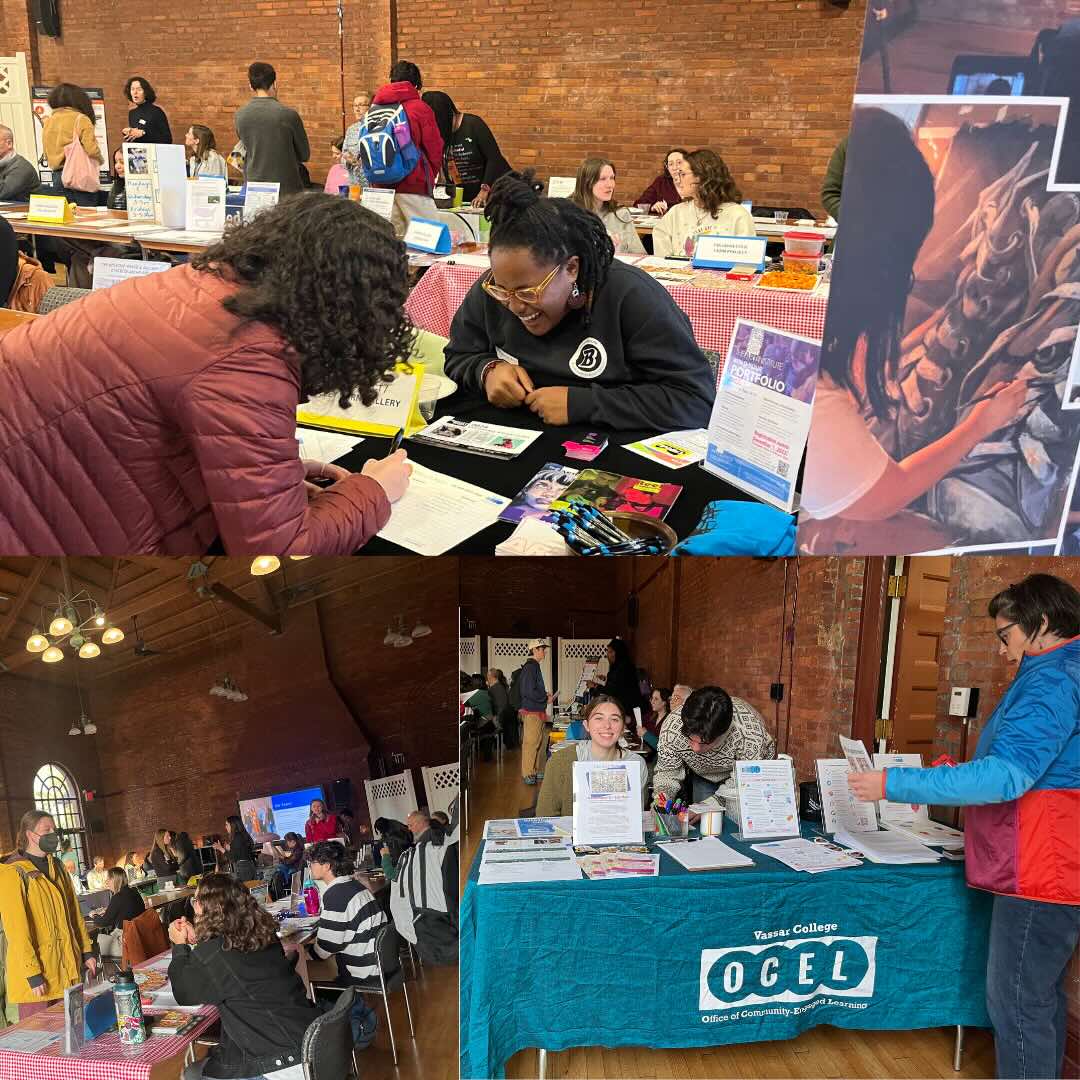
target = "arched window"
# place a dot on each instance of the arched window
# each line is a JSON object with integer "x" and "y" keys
{"x": 56, "y": 792}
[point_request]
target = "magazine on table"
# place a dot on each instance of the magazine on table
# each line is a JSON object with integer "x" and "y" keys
{"x": 535, "y": 498}
{"x": 474, "y": 437}
{"x": 614, "y": 493}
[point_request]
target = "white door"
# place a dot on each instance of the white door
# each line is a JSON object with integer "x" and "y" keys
{"x": 15, "y": 107}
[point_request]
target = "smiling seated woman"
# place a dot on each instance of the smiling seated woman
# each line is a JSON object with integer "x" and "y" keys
{"x": 562, "y": 328}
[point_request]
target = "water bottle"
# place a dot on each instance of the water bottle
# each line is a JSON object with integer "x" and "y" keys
{"x": 129, "y": 1014}
{"x": 311, "y": 900}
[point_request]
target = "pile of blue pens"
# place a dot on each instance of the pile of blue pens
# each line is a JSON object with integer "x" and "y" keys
{"x": 588, "y": 532}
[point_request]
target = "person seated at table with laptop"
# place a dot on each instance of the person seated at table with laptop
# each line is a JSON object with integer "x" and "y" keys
{"x": 95, "y": 878}
{"x": 348, "y": 920}
{"x": 472, "y": 159}
{"x": 193, "y": 442}
{"x": 320, "y": 825}
{"x": 132, "y": 865}
{"x": 712, "y": 207}
{"x": 231, "y": 957}
{"x": 595, "y": 191}
{"x": 662, "y": 194}
{"x": 700, "y": 743}
{"x": 560, "y": 327}
{"x": 605, "y": 724}
{"x": 126, "y": 903}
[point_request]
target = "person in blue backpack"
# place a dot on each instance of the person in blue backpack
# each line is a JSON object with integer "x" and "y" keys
{"x": 400, "y": 146}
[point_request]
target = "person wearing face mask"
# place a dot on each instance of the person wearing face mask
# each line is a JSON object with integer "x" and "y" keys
{"x": 47, "y": 944}
{"x": 1021, "y": 793}
{"x": 561, "y": 327}
{"x": 700, "y": 743}
{"x": 595, "y": 191}
{"x": 604, "y": 723}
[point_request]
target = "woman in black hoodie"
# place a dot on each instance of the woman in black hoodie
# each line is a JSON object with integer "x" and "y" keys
{"x": 231, "y": 958}
{"x": 241, "y": 849}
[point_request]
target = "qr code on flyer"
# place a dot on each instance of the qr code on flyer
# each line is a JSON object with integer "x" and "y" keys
{"x": 609, "y": 782}
{"x": 782, "y": 468}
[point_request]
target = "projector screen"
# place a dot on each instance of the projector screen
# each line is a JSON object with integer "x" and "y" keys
{"x": 278, "y": 814}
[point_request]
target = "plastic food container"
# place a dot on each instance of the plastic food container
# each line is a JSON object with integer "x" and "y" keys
{"x": 804, "y": 243}
{"x": 801, "y": 264}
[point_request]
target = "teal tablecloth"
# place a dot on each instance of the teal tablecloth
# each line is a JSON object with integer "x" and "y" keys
{"x": 705, "y": 959}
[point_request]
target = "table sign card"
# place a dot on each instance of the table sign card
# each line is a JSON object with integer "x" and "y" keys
{"x": 396, "y": 406}
{"x": 108, "y": 272}
{"x": 260, "y": 196}
{"x": 206, "y": 204}
{"x": 50, "y": 210}
{"x": 761, "y": 415}
{"x": 768, "y": 807}
{"x": 74, "y": 1033}
{"x": 724, "y": 252}
{"x": 839, "y": 808}
{"x": 561, "y": 187}
{"x": 378, "y": 202}
{"x": 900, "y": 813}
{"x": 156, "y": 183}
{"x": 607, "y": 802}
{"x": 430, "y": 236}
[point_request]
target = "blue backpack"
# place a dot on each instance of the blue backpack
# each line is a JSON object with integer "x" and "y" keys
{"x": 387, "y": 152}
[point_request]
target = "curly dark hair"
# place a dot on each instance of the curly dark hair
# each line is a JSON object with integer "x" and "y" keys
{"x": 716, "y": 185}
{"x": 67, "y": 95}
{"x": 148, "y": 90}
{"x": 551, "y": 229}
{"x": 332, "y": 853}
{"x": 231, "y": 913}
{"x": 333, "y": 279}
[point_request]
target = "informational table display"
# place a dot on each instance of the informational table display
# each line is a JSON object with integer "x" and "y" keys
{"x": 768, "y": 807}
{"x": 761, "y": 415}
{"x": 839, "y": 808}
{"x": 607, "y": 802}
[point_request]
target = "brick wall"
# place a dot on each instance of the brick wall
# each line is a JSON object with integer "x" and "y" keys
{"x": 768, "y": 86}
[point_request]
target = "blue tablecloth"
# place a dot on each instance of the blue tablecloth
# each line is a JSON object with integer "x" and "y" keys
{"x": 704, "y": 959}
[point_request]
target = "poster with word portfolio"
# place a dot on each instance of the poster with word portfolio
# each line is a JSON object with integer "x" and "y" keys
{"x": 951, "y": 332}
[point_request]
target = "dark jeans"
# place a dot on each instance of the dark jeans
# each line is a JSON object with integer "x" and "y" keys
{"x": 364, "y": 1022}
{"x": 1030, "y": 947}
{"x": 79, "y": 198}
{"x": 700, "y": 788}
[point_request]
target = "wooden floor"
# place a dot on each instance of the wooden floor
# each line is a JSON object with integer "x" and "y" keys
{"x": 433, "y": 1054}
{"x": 498, "y": 792}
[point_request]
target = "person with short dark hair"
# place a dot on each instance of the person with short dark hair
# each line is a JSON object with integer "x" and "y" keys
{"x": 699, "y": 744}
{"x": 18, "y": 177}
{"x": 413, "y": 196}
{"x": 254, "y": 321}
{"x": 275, "y": 142}
{"x": 472, "y": 159}
{"x": 595, "y": 341}
{"x": 147, "y": 122}
{"x": 711, "y": 205}
{"x": 348, "y": 920}
{"x": 231, "y": 958}
{"x": 72, "y": 115}
{"x": 1020, "y": 793}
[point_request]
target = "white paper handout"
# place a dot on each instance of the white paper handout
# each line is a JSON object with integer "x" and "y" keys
{"x": 931, "y": 833}
{"x": 899, "y": 813}
{"x": 839, "y": 808}
{"x": 260, "y": 196}
{"x": 766, "y": 795}
{"x": 325, "y": 445}
{"x": 708, "y": 853}
{"x": 206, "y": 205}
{"x": 109, "y": 272}
{"x": 548, "y": 864}
{"x": 540, "y": 827}
{"x": 675, "y": 450}
{"x": 476, "y": 437}
{"x": 855, "y": 753}
{"x": 805, "y": 855}
{"x": 438, "y": 512}
{"x": 607, "y": 802}
{"x": 379, "y": 201}
{"x": 887, "y": 847}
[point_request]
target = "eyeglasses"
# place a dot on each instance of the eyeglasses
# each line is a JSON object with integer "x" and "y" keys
{"x": 531, "y": 294}
{"x": 1003, "y": 633}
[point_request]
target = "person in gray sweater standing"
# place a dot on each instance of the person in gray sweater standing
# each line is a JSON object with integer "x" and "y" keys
{"x": 18, "y": 177}
{"x": 533, "y": 711}
{"x": 273, "y": 135}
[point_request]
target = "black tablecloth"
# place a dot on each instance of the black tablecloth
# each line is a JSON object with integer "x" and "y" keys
{"x": 509, "y": 477}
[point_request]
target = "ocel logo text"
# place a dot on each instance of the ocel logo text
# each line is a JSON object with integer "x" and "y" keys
{"x": 787, "y": 971}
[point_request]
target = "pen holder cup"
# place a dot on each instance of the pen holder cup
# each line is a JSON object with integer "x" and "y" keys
{"x": 638, "y": 526}
{"x": 677, "y": 825}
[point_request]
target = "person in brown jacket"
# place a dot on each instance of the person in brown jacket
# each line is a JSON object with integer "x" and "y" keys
{"x": 159, "y": 415}
{"x": 72, "y": 114}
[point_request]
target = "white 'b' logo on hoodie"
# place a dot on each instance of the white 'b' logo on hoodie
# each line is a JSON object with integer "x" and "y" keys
{"x": 589, "y": 359}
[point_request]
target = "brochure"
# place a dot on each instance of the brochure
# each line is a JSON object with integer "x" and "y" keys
{"x": 768, "y": 806}
{"x": 839, "y": 808}
{"x": 607, "y": 802}
{"x": 675, "y": 450}
{"x": 474, "y": 437}
{"x": 535, "y": 498}
{"x": 613, "y": 493}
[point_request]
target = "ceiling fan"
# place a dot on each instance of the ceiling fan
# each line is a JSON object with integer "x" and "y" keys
{"x": 141, "y": 648}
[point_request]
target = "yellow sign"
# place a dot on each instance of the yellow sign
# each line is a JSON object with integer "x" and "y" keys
{"x": 397, "y": 405}
{"x": 50, "y": 210}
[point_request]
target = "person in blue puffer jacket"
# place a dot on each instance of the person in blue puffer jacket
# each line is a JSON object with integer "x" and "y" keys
{"x": 1022, "y": 822}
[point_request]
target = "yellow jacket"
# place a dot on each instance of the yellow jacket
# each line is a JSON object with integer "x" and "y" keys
{"x": 46, "y": 935}
{"x": 56, "y": 133}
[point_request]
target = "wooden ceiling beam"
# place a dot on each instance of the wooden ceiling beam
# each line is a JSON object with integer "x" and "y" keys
{"x": 30, "y": 583}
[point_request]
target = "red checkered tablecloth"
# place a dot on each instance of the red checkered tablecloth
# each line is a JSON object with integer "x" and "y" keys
{"x": 440, "y": 292}
{"x": 102, "y": 1059}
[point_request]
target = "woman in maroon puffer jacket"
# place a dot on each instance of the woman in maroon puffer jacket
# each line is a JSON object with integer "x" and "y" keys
{"x": 160, "y": 414}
